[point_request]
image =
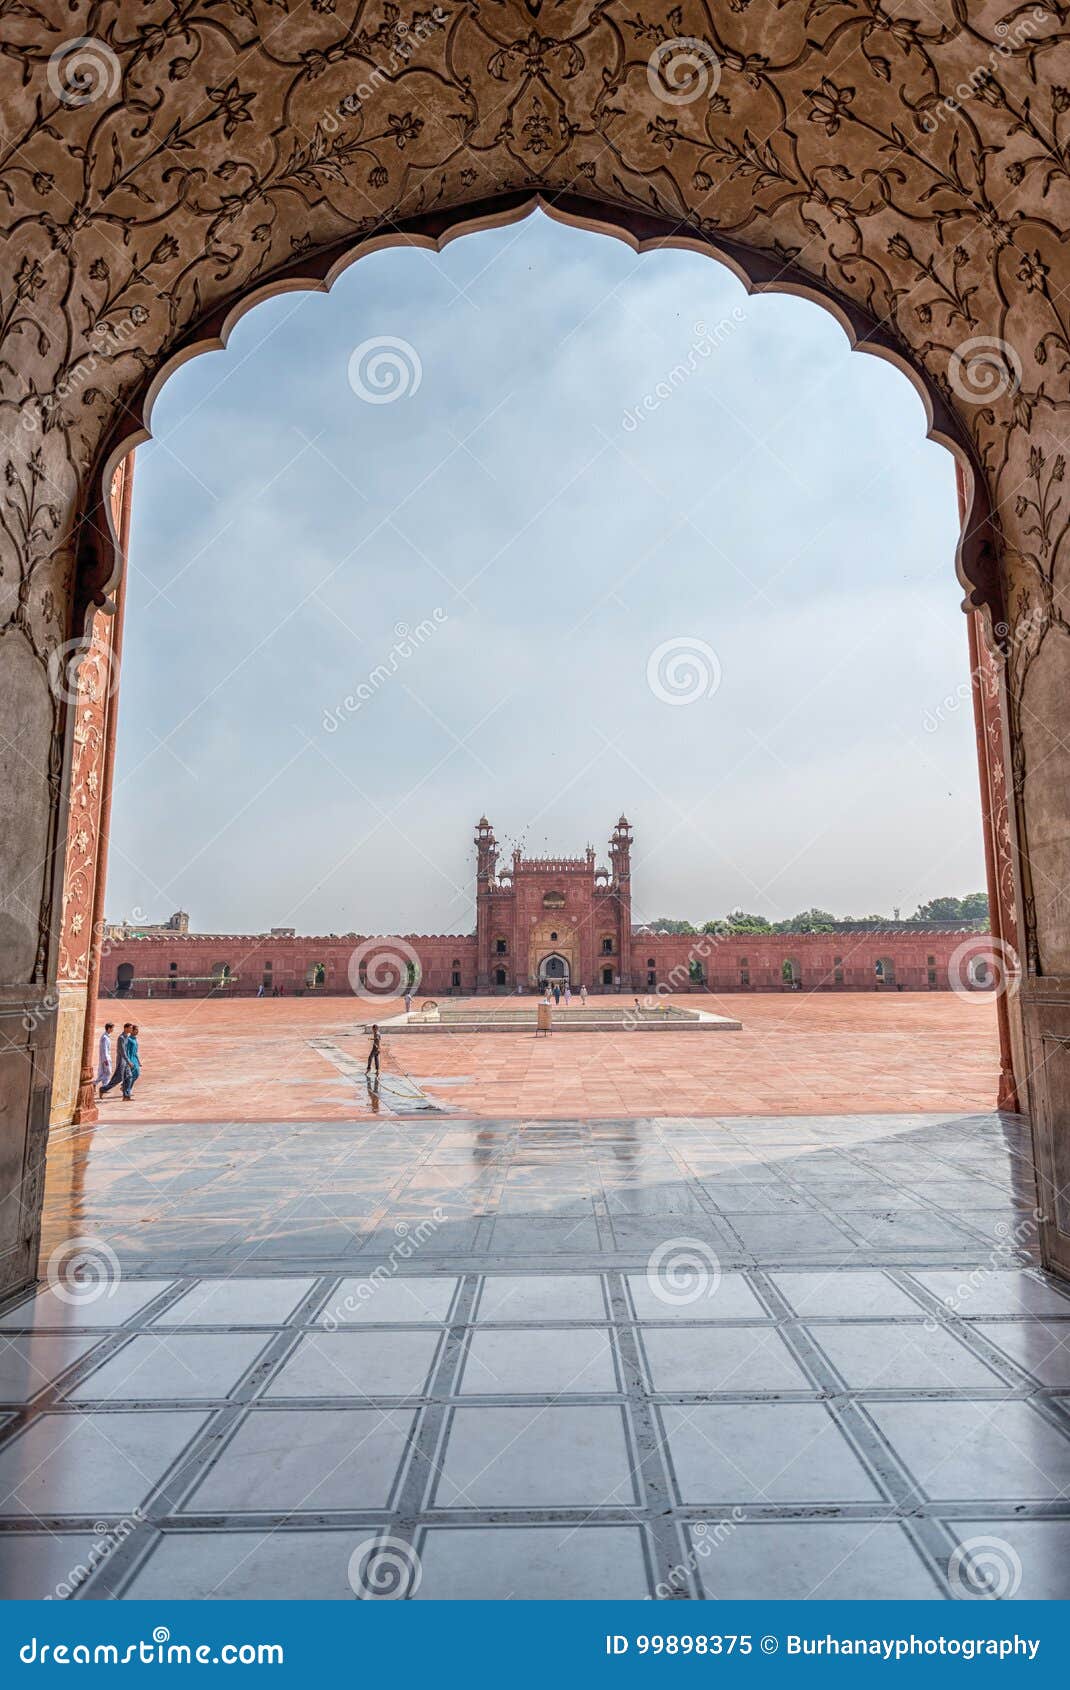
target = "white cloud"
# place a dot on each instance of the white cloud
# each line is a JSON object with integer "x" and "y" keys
{"x": 780, "y": 503}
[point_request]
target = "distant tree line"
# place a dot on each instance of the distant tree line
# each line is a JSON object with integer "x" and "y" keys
{"x": 973, "y": 908}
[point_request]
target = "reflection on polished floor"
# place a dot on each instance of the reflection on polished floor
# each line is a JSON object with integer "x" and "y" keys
{"x": 439, "y": 1358}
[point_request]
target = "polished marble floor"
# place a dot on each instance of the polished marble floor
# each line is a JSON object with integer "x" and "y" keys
{"x": 682, "y": 1357}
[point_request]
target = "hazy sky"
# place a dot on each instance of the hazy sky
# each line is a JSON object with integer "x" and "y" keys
{"x": 555, "y": 517}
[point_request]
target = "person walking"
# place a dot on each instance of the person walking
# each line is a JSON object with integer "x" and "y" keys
{"x": 373, "y": 1054}
{"x": 557, "y": 994}
{"x": 583, "y": 997}
{"x": 120, "y": 1059}
{"x": 131, "y": 1063}
{"x": 104, "y": 1057}
{"x": 408, "y": 1003}
{"x": 568, "y": 994}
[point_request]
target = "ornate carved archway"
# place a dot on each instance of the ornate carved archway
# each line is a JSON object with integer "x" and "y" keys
{"x": 552, "y": 937}
{"x": 554, "y": 969}
{"x": 167, "y": 165}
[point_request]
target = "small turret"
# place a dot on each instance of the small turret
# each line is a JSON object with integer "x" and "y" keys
{"x": 620, "y": 850}
{"x": 486, "y": 850}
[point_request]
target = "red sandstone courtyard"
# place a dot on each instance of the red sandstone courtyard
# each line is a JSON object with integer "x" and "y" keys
{"x": 797, "y": 1054}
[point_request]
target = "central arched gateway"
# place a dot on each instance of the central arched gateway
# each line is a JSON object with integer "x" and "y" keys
{"x": 554, "y": 970}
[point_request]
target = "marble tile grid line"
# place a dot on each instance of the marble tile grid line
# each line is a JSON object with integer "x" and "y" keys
{"x": 700, "y": 1408}
{"x": 761, "y": 1191}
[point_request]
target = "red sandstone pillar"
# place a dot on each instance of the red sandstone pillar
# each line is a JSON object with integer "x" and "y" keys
{"x": 987, "y": 688}
{"x": 486, "y": 869}
{"x": 85, "y": 1110}
{"x": 620, "y": 852}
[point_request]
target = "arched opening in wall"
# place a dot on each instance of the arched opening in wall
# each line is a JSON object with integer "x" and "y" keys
{"x": 885, "y": 971}
{"x": 453, "y": 529}
{"x": 382, "y": 971}
{"x": 124, "y": 979}
{"x": 980, "y": 975}
{"x": 315, "y": 976}
{"x": 629, "y": 613}
{"x": 554, "y": 970}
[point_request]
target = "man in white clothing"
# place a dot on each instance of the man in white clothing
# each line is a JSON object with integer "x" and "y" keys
{"x": 104, "y": 1063}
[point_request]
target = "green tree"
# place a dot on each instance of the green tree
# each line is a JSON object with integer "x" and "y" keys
{"x": 665, "y": 924}
{"x": 975, "y": 906}
{"x": 808, "y": 921}
{"x": 738, "y": 921}
{"x": 939, "y": 909}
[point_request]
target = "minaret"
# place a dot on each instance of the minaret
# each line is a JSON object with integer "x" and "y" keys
{"x": 620, "y": 857}
{"x": 486, "y": 869}
{"x": 486, "y": 851}
{"x": 620, "y": 850}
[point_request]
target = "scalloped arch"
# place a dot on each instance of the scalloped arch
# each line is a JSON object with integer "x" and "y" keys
{"x": 99, "y": 559}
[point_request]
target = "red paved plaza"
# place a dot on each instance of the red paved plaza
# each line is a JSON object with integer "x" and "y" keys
{"x": 302, "y": 1059}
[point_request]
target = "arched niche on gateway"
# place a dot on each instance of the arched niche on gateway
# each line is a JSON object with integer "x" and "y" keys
{"x": 98, "y": 555}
